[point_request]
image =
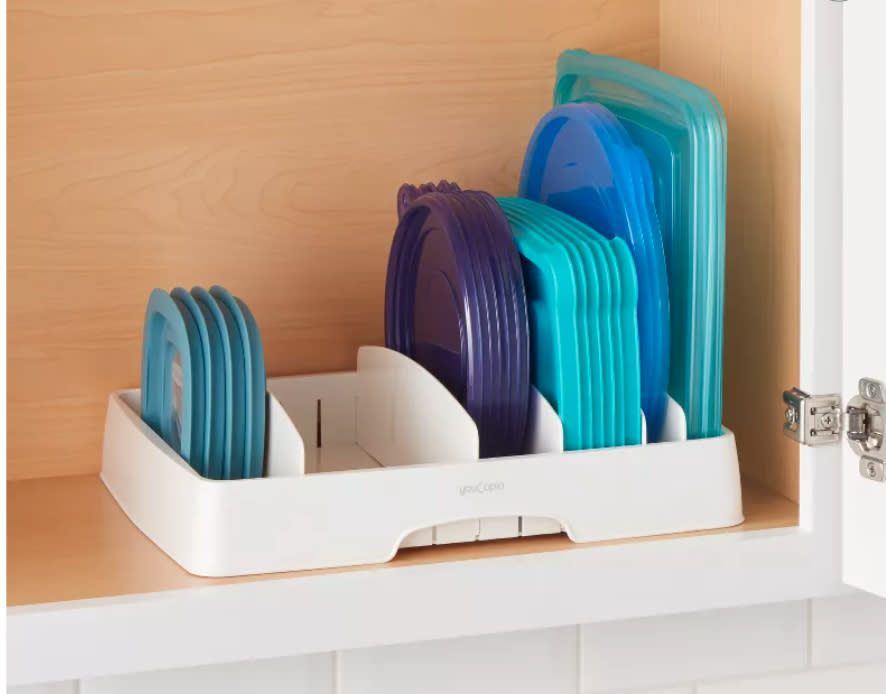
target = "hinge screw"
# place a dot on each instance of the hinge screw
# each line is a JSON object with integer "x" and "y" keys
{"x": 873, "y": 391}
{"x": 790, "y": 416}
{"x": 827, "y": 420}
{"x": 872, "y": 470}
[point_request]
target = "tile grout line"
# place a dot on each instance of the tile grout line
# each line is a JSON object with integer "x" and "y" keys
{"x": 579, "y": 653}
{"x": 747, "y": 679}
{"x": 336, "y": 672}
{"x": 809, "y": 635}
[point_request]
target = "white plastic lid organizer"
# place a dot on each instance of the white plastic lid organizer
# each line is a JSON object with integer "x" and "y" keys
{"x": 360, "y": 464}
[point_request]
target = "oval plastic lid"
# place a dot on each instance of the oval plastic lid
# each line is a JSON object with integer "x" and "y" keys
{"x": 431, "y": 300}
{"x": 570, "y": 166}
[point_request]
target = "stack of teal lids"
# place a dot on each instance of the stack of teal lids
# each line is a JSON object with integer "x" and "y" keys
{"x": 582, "y": 294}
{"x": 682, "y": 130}
{"x": 582, "y": 162}
{"x": 203, "y": 380}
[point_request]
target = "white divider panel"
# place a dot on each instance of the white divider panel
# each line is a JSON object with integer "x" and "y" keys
{"x": 544, "y": 435}
{"x": 285, "y": 454}
{"x": 675, "y": 427}
{"x": 405, "y": 416}
{"x": 323, "y": 408}
{"x": 544, "y": 430}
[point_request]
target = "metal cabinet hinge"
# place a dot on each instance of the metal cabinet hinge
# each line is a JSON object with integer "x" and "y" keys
{"x": 817, "y": 420}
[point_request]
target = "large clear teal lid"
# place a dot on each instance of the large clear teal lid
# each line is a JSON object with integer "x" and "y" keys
{"x": 681, "y": 129}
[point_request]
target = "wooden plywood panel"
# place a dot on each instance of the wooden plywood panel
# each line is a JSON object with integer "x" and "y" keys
{"x": 69, "y": 540}
{"x": 257, "y": 145}
{"x": 747, "y": 52}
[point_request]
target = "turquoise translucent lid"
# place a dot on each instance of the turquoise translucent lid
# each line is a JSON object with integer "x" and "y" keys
{"x": 604, "y": 359}
{"x": 682, "y": 131}
{"x": 575, "y": 164}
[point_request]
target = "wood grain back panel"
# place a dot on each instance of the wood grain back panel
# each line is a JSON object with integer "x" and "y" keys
{"x": 747, "y": 52}
{"x": 254, "y": 144}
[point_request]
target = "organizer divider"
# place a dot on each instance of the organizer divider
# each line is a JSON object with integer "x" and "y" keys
{"x": 285, "y": 450}
{"x": 544, "y": 434}
{"x": 675, "y": 428}
{"x": 405, "y": 416}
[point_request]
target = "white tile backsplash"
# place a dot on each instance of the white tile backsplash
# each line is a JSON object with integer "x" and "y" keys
{"x": 860, "y": 679}
{"x": 312, "y": 674}
{"x": 768, "y": 649}
{"x": 657, "y": 651}
{"x": 50, "y": 688}
{"x": 536, "y": 662}
{"x": 848, "y": 629}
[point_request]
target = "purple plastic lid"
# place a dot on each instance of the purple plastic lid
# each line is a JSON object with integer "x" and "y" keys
{"x": 431, "y": 308}
{"x": 409, "y": 193}
{"x": 455, "y": 302}
{"x": 472, "y": 225}
{"x": 513, "y": 296}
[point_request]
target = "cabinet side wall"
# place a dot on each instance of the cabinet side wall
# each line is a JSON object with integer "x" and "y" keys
{"x": 748, "y": 54}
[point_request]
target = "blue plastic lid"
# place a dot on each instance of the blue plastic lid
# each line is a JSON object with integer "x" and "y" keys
{"x": 252, "y": 391}
{"x": 640, "y": 204}
{"x": 221, "y": 401}
{"x": 172, "y": 402}
{"x": 574, "y": 165}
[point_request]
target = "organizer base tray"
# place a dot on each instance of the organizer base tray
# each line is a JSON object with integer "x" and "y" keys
{"x": 362, "y": 484}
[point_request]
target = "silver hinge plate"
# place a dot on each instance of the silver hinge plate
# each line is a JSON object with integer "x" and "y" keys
{"x": 816, "y": 420}
{"x": 813, "y": 420}
{"x": 872, "y": 469}
{"x": 866, "y": 416}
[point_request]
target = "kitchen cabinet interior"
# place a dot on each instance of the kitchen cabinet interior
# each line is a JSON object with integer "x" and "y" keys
{"x": 262, "y": 148}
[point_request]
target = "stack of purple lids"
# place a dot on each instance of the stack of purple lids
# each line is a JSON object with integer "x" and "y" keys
{"x": 455, "y": 303}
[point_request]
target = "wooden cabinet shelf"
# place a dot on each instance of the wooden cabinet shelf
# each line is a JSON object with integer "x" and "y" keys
{"x": 68, "y": 540}
{"x": 89, "y": 594}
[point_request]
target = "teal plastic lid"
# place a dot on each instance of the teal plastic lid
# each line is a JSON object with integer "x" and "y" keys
{"x": 682, "y": 130}
{"x": 172, "y": 393}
